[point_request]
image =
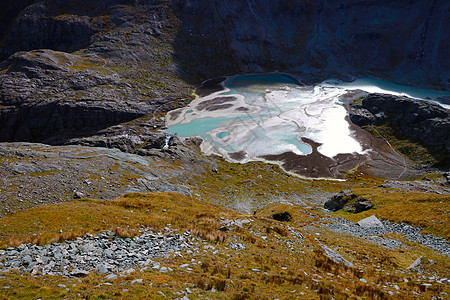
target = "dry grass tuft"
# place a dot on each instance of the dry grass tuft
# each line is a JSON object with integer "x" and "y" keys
{"x": 206, "y": 226}
{"x": 124, "y": 232}
{"x": 370, "y": 291}
{"x": 277, "y": 229}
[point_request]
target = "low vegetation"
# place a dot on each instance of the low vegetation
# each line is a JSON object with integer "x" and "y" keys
{"x": 281, "y": 259}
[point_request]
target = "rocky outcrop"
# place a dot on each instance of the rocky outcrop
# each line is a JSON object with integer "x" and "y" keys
{"x": 359, "y": 205}
{"x": 121, "y": 71}
{"x": 42, "y": 96}
{"x": 419, "y": 121}
{"x": 339, "y": 200}
{"x": 346, "y": 200}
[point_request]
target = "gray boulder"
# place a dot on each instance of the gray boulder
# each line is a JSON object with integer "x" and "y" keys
{"x": 337, "y": 258}
{"x": 339, "y": 200}
{"x": 371, "y": 222}
{"x": 359, "y": 205}
{"x": 79, "y": 273}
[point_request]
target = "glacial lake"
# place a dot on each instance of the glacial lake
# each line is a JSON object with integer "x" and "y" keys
{"x": 270, "y": 114}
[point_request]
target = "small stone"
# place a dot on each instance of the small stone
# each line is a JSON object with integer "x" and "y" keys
{"x": 62, "y": 286}
{"x": 416, "y": 263}
{"x": 78, "y": 195}
{"x": 137, "y": 281}
{"x": 79, "y": 273}
{"x": 363, "y": 280}
{"x": 129, "y": 271}
{"x": 102, "y": 269}
{"x": 224, "y": 229}
{"x": 188, "y": 291}
{"x": 163, "y": 270}
{"x": 27, "y": 259}
{"x": 111, "y": 277}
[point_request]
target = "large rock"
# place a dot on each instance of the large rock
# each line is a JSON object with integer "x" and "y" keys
{"x": 339, "y": 200}
{"x": 359, "y": 205}
{"x": 370, "y": 222}
{"x": 336, "y": 257}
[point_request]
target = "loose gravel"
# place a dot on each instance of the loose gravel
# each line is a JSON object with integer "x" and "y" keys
{"x": 410, "y": 232}
{"x": 104, "y": 253}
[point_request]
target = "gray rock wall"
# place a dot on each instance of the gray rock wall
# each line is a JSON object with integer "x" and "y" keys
{"x": 406, "y": 41}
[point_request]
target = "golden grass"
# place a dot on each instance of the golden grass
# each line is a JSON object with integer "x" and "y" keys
{"x": 124, "y": 215}
{"x": 227, "y": 274}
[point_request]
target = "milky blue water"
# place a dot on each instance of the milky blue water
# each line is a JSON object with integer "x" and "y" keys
{"x": 372, "y": 85}
{"x": 278, "y": 112}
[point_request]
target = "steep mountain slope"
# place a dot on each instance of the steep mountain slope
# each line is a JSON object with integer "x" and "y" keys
{"x": 127, "y": 59}
{"x": 382, "y": 38}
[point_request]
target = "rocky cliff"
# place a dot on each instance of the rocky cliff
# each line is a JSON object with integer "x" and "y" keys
{"x": 125, "y": 59}
{"x": 425, "y": 123}
{"x": 403, "y": 40}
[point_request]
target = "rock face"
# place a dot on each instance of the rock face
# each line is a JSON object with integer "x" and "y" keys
{"x": 42, "y": 96}
{"x": 422, "y": 122}
{"x": 402, "y": 38}
{"x": 121, "y": 72}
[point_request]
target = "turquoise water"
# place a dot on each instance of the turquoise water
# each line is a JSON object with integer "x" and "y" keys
{"x": 372, "y": 85}
{"x": 280, "y": 111}
{"x": 221, "y": 135}
{"x": 198, "y": 127}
